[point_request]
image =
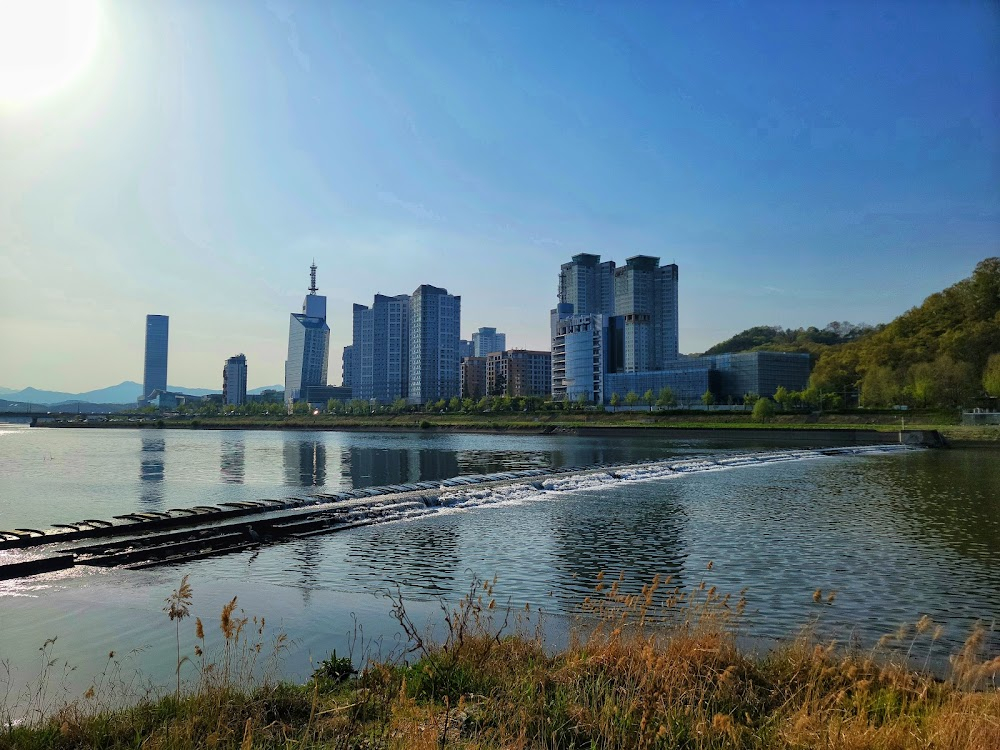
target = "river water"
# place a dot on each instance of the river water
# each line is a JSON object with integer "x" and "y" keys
{"x": 895, "y": 536}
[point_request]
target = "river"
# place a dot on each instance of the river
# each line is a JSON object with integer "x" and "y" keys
{"x": 895, "y": 536}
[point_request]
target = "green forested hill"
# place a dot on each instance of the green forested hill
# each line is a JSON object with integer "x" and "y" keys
{"x": 932, "y": 355}
{"x": 811, "y": 340}
{"x": 936, "y": 354}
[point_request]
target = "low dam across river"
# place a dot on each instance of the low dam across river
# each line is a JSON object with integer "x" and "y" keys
{"x": 146, "y": 539}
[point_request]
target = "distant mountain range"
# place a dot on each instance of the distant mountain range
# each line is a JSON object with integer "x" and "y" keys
{"x": 124, "y": 393}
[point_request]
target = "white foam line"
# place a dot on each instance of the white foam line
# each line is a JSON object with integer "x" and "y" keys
{"x": 518, "y": 493}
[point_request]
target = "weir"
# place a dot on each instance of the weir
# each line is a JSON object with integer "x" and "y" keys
{"x": 140, "y": 540}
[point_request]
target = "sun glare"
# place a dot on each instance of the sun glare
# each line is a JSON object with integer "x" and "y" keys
{"x": 44, "y": 45}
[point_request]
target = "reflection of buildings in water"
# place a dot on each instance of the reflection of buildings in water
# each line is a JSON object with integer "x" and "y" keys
{"x": 369, "y": 467}
{"x": 489, "y": 462}
{"x": 640, "y": 538}
{"x": 943, "y": 500}
{"x": 420, "y": 556}
{"x": 437, "y": 464}
{"x": 306, "y": 556}
{"x": 232, "y": 461}
{"x": 305, "y": 462}
{"x": 591, "y": 453}
{"x": 151, "y": 471}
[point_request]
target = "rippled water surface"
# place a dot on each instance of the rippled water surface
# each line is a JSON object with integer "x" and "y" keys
{"x": 896, "y": 536}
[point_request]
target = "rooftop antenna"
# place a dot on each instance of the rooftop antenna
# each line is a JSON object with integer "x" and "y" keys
{"x": 312, "y": 278}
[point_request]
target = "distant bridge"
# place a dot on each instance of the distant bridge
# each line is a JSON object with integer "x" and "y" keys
{"x": 26, "y": 416}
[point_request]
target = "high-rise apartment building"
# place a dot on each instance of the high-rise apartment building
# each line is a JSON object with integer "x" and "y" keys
{"x": 380, "y": 367}
{"x": 347, "y": 367}
{"x": 234, "y": 381}
{"x": 154, "y": 370}
{"x": 435, "y": 319}
{"x": 519, "y": 372}
{"x": 588, "y": 285}
{"x": 308, "y": 344}
{"x": 465, "y": 349}
{"x": 646, "y": 303}
{"x": 486, "y": 341}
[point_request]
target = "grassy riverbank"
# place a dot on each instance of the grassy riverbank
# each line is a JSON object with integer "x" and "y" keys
{"x": 572, "y": 422}
{"x": 656, "y": 669}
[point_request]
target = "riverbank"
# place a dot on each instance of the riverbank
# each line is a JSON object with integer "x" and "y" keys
{"x": 662, "y": 668}
{"x": 860, "y": 428}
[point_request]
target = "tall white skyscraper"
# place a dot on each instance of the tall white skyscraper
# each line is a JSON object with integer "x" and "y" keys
{"x": 154, "y": 370}
{"x": 308, "y": 344}
{"x": 435, "y": 321}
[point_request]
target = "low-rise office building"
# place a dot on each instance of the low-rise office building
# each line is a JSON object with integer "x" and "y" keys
{"x": 735, "y": 375}
{"x": 473, "y": 371}
{"x": 519, "y": 372}
{"x": 318, "y": 396}
{"x": 728, "y": 376}
{"x": 687, "y": 383}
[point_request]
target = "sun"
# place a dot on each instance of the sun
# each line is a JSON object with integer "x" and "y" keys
{"x": 44, "y": 45}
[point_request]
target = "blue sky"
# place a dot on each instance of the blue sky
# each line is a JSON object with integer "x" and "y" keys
{"x": 800, "y": 162}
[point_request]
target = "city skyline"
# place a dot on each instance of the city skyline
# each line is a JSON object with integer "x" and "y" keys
{"x": 802, "y": 164}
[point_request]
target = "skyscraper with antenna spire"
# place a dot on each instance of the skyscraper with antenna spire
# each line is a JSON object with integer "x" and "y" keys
{"x": 308, "y": 343}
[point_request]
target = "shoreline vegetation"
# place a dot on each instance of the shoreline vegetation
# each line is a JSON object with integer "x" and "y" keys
{"x": 573, "y": 422}
{"x": 660, "y": 667}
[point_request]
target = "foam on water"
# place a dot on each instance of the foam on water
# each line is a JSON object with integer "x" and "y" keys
{"x": 534, "y": 489}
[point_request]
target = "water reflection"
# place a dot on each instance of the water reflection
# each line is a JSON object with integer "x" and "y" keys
{"x": 151, "y": 471}
{"x": 947, "y": 498}
{"x": 369, "y": 467}
{"x": 420, "y": 556}
{"x": 305, "y": 462}
{"x": 306, "y": 558}
{"x": 232, "y": 461}
{"x": 637, "y": 540}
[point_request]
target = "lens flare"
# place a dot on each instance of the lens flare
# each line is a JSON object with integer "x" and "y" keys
{"x": 44, "y": 46}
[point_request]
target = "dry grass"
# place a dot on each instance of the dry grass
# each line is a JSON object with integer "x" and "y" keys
{"x": 655, "y": 668}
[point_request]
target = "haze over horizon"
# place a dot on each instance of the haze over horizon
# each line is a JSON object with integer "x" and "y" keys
{"x": 801, "y": 163}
